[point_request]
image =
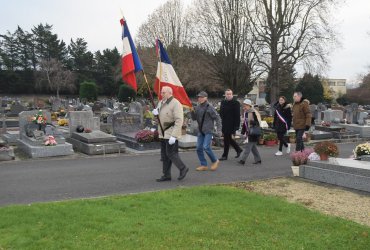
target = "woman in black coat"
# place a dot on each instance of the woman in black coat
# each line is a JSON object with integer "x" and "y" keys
{"x": 282, "y": 123}
{"x": 230, "y": 116}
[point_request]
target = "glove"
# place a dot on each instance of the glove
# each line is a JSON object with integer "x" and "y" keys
{"x": 172, "y": 140}
{"x": 155, "y": 112}
{"x": 307, "y": 128}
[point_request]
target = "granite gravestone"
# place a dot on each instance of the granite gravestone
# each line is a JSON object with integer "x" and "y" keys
{"x": 82, "y": 118}
{"x": 34, "y": 145}
{"x": 333, "y": 115}
{"x": 16, "y": 108}
{"x": 95, "y": 142}
{"x": 361, "y": 117}
{"x": 56, "y": 104}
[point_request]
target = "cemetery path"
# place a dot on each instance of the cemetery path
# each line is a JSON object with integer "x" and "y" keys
{"x": 55, "y": 179}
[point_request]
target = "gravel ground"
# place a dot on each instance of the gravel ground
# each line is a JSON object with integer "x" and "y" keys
{"x": 328, "y": 199}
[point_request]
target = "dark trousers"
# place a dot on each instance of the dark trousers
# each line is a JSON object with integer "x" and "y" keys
{"x": 299, "y": 140}
{"x": 169, "y": 155}
{"x": 228, "y": 140}
{"x": 281, "y": 138}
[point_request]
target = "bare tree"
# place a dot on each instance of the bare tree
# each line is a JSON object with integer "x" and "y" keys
{"x": 222, "y": 28}
{"x": 55, "y": 76}
{"x": 169, "y": 21}
{"x": 290, "y": 32}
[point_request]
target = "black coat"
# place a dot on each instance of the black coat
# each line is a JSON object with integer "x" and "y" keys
{"x": 286, "y": 112}
{"x": 230, "y": 115}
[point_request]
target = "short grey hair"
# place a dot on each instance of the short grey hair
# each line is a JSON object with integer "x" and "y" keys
{"x": 167, "y": 89}
{"x": 299, "y": 93}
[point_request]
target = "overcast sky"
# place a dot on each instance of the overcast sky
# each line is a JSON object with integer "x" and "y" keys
{"x": 97, "y": 21}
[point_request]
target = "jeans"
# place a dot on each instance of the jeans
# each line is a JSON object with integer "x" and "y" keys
{"x": 227, "y": 141}
{"x": 251, "y": 146}
{"x": 204, "y": 145}
{"x": 299, "y": 140}
{"x": 169, "y": 155}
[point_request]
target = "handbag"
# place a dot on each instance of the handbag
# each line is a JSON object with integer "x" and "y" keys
{"x": 255, "y": 131}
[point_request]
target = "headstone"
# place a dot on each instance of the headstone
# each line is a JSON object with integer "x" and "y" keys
{"x": 124, "y": 123}
{"x": 34, "y": 146}
{"x": 367, "y": 122}
{"x": 354, "y": 107}
{"x": 135, "y": 108}
{"x": 95, "y": 142}
{"x": 84, "y": 118}
{"x": 361, "y": 117}
{"x": 3, "y": 121}
{"x": 16, "y": 108}
{"x": 56, "y": 104}
{"x": 333, "y": 115}
{"x": 320, "y": 108}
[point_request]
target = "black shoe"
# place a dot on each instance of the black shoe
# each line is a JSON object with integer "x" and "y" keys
{"x": 183, "y": 173}
{"x": 241, "y": 162}
{"x": 223, "y": 158}
{"x": 164, "y": 178}
{"x": 238, "y": 153}
{"x": 257, "y": 162}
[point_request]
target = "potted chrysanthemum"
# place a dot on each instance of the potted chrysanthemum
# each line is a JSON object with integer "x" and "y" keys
{"x": 326, "y": 149}
{"x": 361, "y": 150}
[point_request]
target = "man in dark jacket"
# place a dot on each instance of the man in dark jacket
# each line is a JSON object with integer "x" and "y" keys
{"x": 206, "y": 116}
{"x": 301, "y": 118}
{"x": 230, "y": 115}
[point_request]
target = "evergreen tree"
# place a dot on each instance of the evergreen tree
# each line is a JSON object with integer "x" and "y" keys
{"x": 311, "y": 88}
{"x": 79, "y": 57}
{"x": 9, "y": 51}
{"x": 47, "y": 44}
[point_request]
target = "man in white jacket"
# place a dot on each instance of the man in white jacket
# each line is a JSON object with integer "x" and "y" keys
{"x": 171, "y": 116}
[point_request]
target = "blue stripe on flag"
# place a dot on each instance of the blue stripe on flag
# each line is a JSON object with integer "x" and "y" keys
{"x": 162, "y": 51}
{"x": 126, "y": 33}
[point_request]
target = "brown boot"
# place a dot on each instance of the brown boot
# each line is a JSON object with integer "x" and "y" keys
{"x": 214, "y": 165}
{"x": 202, "y": 168}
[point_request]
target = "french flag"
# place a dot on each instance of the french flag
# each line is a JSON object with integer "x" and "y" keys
{"x": 130, "y": 59}
{"x": 166, "y": 76}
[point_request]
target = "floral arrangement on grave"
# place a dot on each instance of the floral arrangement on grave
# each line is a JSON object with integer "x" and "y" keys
{"x": 301, "y": 157}
{"x": 269, "y": 120}
{"x": 63, "y": 122}
{"x": 362, "y": 149}
{"x": 325, "y": 124}
{"x": 146, "y": 136}
{"x": 62, "y": 112}
{"x": 50, "y": 141}
{"x": 87, "y": 130}
{"x": 327, "y": 148}
{"x": 39, "y": 118}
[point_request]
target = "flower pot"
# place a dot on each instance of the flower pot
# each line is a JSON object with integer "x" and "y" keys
{"x": 324, "y": 157}
{"x": 295, "y": 170}
{"x": 261, "y": 141}
{"x": 270, "y": 143}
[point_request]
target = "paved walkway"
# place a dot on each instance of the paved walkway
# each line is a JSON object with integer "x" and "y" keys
{"x": 28, "y": 181}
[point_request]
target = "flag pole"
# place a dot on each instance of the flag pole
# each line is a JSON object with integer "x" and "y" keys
{"x": 150, "y": 92}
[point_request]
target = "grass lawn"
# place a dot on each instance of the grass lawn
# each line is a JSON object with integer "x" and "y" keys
{"x": 215, "y": 217}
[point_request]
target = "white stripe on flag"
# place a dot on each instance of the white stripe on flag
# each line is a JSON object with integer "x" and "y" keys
{"x": 126, "y": 47}
{"x": 168, "y": 74}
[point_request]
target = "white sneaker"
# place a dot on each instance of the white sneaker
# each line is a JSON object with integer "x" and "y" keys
{"x": 279, "y": 153}
{"x": 288, "y": 149}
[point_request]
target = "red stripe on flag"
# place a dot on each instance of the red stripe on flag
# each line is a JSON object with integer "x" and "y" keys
{"x": 178, "y": 92}
{"x": 128, "y": 71}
